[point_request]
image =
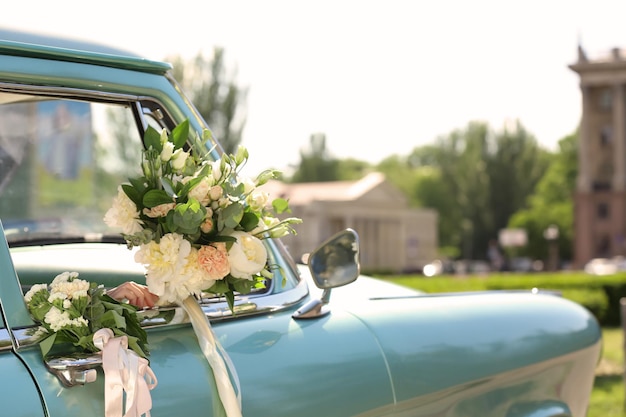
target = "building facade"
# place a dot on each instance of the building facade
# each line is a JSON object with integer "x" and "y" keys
{"x": 393, "y": 237}
{"x": 600, "y": 197}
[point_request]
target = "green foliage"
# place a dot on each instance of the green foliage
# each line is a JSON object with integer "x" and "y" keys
{"x": 316, "y": 164}
{"x": 476, "y": 179}
{"x": 212, "y": 88}
{"x": 551, "y": 203}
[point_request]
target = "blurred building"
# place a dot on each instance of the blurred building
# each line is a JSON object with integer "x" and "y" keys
{"x": 600, "y": 198}
{"x": 393, "y": 237}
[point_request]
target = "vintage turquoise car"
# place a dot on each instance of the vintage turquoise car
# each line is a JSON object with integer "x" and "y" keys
{"x": 72, "y": 118}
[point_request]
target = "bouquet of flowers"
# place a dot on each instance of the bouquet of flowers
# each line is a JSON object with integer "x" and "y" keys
{"x": 71, "y": 310}
{"x": 197, "y": 223}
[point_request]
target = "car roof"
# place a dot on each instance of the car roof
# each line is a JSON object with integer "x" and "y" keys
{"x": 43, "y": 46}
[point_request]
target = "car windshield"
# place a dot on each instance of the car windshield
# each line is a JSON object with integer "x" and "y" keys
{"x": 60, "y": 164}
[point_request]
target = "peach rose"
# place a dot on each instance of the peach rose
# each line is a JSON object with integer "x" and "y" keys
{"x": 159, "y": 211}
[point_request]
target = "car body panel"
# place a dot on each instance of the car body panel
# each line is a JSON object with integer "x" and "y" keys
{"x": 383, "y": 350}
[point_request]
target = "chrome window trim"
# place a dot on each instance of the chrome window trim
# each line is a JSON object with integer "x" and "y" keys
{"x": 71, "y": 93}
{"x": 67, "y": 92}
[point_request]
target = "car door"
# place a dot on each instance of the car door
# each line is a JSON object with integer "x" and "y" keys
{"x": 184, "y": 376}
{"x": 19, "y": 394}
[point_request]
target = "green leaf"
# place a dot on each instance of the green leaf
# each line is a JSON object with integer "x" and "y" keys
{"x": 244, "y": 286}
{"x": 39, "y": 305}
{"x": 266, "y": 175}
{"x": 46, "y": 344}
{"x": 113, "y": 319}
{"x": 230, "y": 216}
{"x": 219, "y": 287}
{"x": 280, "y": 205}
{"x": 186, "y": 218}
{"x": 249, "y": 221}
{"x": 132, "y": 193}
{"x": 152, "y": 139}
{"x": 230, "y": 298}
{"x": 180, "y": 134}
{"x": 155, "y": 197}
{"x": 168, "y": 187}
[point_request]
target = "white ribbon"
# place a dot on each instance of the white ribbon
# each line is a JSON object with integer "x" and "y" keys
{"x": 124, "y": 371}
{"x": 215, "y": 355}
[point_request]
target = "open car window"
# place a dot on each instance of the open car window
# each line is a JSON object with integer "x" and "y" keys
{"x": 60, "y": 163}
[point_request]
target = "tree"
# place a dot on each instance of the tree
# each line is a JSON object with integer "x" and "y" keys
{"x": 552, "y": 203}
{"x": 478, "y": 178}
{"x": 214, "y": 92}
{"x": 316, "y": 163}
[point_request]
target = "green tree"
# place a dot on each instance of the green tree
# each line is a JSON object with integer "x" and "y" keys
{"x": 216, "y": 95}
{"x": 316, "y": 163}
{"x": 351, "y": 169}
{"x": 478, "y": 178}
{"x": 552, "y": 203}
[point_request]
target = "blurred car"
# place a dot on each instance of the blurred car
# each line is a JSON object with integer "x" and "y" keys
{"x": 605, "y": 266}
{"x": 72, "y": 116}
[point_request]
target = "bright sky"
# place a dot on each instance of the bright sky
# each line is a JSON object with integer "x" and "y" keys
{"x": 378, "y": 77}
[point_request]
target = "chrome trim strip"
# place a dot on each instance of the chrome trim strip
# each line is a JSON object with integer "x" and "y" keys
{"x": 27, "y": 336}
{"x": 5, "y": 340}
{"x": 217, "y": 309}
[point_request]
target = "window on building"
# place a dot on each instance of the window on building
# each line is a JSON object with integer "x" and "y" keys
{"x": 603, "y": 211}
{"x": 606, "y": 135}
{"x": 606, "y": 99}
{"x": 604, "y": 247}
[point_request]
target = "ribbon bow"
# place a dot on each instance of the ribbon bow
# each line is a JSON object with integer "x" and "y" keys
{"x": 124, "y": 371}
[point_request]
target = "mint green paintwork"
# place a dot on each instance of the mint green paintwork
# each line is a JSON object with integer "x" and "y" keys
{"x": 491, "y": 352}
{"x": 382, "y": 351}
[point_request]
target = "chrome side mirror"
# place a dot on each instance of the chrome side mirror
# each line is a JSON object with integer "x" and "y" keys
{"x": 333, "y": 264}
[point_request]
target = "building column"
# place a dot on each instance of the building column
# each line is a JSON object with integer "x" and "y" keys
{"x": 583, "y": 182}
{"x": 619, "y": 139}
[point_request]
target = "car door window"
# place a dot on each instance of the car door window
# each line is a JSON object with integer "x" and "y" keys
{"x": 60, "y": 163}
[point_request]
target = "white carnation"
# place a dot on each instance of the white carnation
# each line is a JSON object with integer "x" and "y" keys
{"x": 34, "y": 290}
{"x": 123, "y": 214}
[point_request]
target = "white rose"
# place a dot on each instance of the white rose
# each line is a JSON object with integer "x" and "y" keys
{"x": 248, "y": 185}
{"x": 167, "y": 152}
{"x": 258, "y": 200}
{"x": 216, "y": 171}
{"x": 247, "y": 256}
{"x": 200, "y": 192}
{"x": 178, "y": 159}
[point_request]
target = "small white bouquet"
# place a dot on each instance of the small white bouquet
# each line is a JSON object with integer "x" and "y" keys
{"x": 71, "y": 310}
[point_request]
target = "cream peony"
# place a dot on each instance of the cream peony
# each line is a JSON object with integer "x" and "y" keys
{"x": 123, "y": 214}
{"x": 164, "y": 262}
{"x": 247, "y": 256}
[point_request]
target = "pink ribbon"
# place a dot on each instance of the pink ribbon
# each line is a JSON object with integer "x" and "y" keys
{"x": 124, "y": 371}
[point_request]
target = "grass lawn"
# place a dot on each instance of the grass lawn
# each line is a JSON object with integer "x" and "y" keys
{"x": 607, "y": 398}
